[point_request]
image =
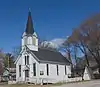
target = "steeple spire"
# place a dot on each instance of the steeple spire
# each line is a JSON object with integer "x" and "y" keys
{"x": 29, "y": 25}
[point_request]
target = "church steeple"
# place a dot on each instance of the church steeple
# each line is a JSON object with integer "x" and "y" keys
{"x": 29, "y": 37}
{"x": 29, "y": 26}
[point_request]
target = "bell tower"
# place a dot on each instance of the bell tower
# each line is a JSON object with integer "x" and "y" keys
{"x": 29, "y": 37}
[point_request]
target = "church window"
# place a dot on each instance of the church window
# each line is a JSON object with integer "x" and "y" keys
{"x": 41, "y": 73}
{"x": 27, "y": 60}
{"x": 19, "y": 70}
{"x": 57, "y": 70}
{"x": 34, "y": 69}
{"x": 29, "y": 40}
{"x": 47, "y": 69}
{"x": 34, "y": 41}
{"x": 25, "y": 41}
{"x": 65, "y": 70}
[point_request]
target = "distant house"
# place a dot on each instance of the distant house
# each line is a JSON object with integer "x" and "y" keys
{"x": 36, "y": 64}
{"x": 92, "y": 64}
{"x": 5, "y": 76}
{"x": 88, "y": 74}
{"x": 9, "y": 74}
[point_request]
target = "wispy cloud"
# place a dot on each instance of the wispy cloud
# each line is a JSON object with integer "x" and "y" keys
{"x": 55, "y": 43}
{"x": 58, "y": 42}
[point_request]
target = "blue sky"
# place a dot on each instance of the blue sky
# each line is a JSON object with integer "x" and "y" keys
{"x": 52, "y": 18}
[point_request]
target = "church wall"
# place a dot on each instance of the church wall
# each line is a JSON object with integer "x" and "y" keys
{"x": 53, "y": 77}
{"x": 42, "y": 68}
{"x": 31, "y": 42}
{"x": 32, "y": 47}
{"x": 68, "y": 68}
{"x": 21, "y": 62}
{"x": 23, "y": 41}
{"x": 32, "y": 60}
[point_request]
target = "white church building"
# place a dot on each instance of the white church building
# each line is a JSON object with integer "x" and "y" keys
{"x": 36, "y": 64}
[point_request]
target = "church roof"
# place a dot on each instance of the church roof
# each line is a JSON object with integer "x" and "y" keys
{"x": 50, "y": 56}
{"x": 29, "y": 26}
{"x": 44, "y": 55}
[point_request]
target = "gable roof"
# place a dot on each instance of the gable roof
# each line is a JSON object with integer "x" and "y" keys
{"x": 50, "y": 56}
{"x": 46, "y": 56}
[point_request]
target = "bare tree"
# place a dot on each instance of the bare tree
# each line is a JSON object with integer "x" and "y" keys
{"x": 68, "y": 49}
{"x": 77, "y": 40}
{"x": 16, "y": 51}
{"x": 87, "y": 38}
{"x": 2, "y": 56}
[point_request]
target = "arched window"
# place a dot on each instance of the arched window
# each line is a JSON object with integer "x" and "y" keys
{"x": 25, "y": 41}
{"x": 34, "y": 41}
{"x": 29, "y": 41}
{"x": 27, "y": 60}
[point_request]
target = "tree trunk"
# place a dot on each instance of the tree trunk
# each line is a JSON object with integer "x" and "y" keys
{"x": 85, "y": 53}
{"x": 87, "y": 61}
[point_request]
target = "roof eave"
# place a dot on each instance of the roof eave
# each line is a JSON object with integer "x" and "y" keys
{"x": 52, "y": 62}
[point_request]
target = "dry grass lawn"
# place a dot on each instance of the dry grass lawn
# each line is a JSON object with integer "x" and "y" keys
{"x": 29, "y": 85}
{"x": 24, "y": 85}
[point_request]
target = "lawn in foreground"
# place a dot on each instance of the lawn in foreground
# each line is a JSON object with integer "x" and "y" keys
{"x": 24, "y": 85}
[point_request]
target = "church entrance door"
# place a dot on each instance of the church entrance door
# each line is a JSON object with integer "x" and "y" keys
{"x": 26, "y": 75}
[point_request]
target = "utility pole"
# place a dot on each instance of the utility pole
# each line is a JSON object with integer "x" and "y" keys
{"x": 8, "y": 61}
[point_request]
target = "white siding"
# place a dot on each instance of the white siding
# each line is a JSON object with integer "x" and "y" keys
{"x": 52, "y": 77}
{"x": 21, "y": 62}
{"x": 31, "y": 42}
{"x": 68, "y": 68}
{"x": 32, "y": 47}
{"x": 32, "y": 60}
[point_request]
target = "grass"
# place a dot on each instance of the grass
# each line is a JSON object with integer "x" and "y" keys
{"x": 17, "y": 85}
{"x": 23, "y": 85}
{"x": 58, "y": 84}
{"x": 32, "y": 85}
